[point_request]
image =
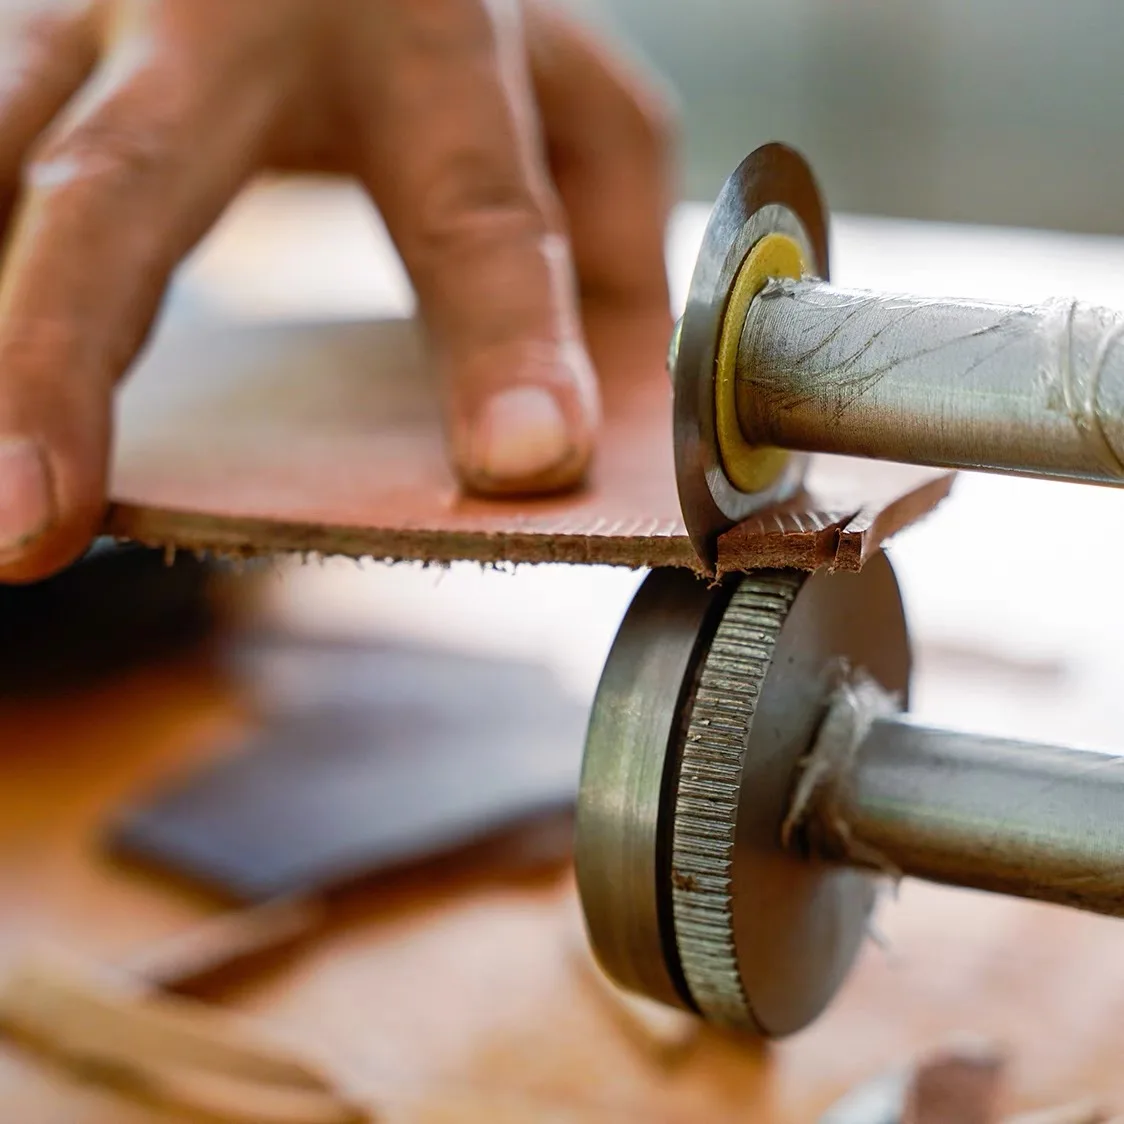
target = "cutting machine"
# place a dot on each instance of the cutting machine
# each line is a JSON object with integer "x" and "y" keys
{"x": 752, "y": 775}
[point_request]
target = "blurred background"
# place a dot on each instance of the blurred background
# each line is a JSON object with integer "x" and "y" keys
{"x": 996, "y": 112}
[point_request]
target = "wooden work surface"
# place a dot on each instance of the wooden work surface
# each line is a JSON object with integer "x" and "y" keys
{"x": 461, "y": 996}
{"x": 289, "y": 436}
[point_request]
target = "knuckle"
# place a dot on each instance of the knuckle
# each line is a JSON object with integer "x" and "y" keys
{"x": 476, "y": 201}
{"x": 39, "y": 352}
{"x": 101, "y": 148}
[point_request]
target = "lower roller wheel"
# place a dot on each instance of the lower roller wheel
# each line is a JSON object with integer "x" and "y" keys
{"x": 711, "y": 697}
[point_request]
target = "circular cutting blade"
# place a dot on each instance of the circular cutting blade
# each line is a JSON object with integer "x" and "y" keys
{"x": 772, "y": 191}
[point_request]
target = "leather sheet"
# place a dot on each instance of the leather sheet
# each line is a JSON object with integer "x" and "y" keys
{"x": 250, "y": 439}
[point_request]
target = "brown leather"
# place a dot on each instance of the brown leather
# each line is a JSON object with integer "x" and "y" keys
{"x": 251, "y": 440}
{"x": 457, "y": 996}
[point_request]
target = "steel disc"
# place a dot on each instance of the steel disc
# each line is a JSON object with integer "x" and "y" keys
{"x": 710, "y": 698}
{"x": 636, "y": 720}
{"x": 772, "y": 191}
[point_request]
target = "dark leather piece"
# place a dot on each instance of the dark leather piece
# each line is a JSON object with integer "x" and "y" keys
{"x": 367, "y": 759}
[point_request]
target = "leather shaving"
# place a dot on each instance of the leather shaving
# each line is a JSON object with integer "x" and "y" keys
{"x": 164, "y": 1049}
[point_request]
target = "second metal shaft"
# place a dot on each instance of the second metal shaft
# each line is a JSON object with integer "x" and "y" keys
{"x": 1033, "y": 821}
{"x": 949, "y": 383}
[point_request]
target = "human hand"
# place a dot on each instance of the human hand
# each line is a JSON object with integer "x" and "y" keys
{"x": 521, "y": 170}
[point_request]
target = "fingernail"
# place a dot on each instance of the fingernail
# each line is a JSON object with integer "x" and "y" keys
{"x": 520, "y": 434}
{"x": 27, "y": 506}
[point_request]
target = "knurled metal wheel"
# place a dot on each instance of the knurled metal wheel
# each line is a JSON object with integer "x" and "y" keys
{"x": 710, "y": 699}
{"x": 706, "y": 797}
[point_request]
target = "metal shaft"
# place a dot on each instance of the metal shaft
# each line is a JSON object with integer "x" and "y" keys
{"x": 950, "y": 383}
{"x": 1034, "y": 821}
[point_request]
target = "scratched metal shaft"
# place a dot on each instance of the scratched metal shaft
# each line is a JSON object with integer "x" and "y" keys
{"x": 956, "y": 384}
{"x": 1033, "y": 821}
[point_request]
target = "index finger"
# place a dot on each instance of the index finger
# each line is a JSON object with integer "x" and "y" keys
{"x": 452, "y": 156}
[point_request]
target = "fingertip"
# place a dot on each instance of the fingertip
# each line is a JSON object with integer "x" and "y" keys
{"x": 27, "y": 500}
{"x": 38, "y": 534}
{"x": 520, "y": 441}
{"x": 531, "y": 432}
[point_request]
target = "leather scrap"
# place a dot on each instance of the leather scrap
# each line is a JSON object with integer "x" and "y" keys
{"x": 820, "y": 530}
{"x": 164, "y": 1049}
{"x": 961, "y": 1082}
{"x": 958, "y": 1083}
